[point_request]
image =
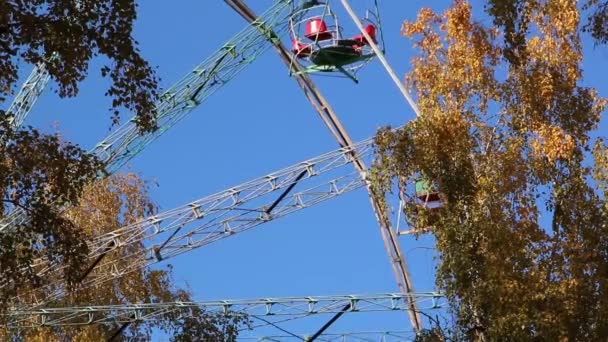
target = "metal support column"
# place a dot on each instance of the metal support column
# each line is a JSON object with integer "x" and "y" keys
{"x": 334, "y": 125}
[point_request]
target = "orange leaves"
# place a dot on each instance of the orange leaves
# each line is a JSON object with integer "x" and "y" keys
{"x": 425, "y": 20}
{"x": 109, "y": 203}
{"x": 552, "y": 142}
{"x": 563, "y": 16}
{"x": 505, "y": 141}
{"x": 106, "y": 205}
{"x": 457, "y": 23}
{"x": 456, "y": 60}
{"x": 424, "y": 26}
{"x": 556, "y": 42}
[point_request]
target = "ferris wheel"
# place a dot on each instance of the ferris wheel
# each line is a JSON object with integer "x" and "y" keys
{"x": 320, "y": 40}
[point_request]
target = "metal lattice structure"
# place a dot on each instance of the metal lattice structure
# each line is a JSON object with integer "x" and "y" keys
{"x": 217, "y": 216}
{"x": 28, "y": 94}
{"x": 271, "y": 307}
{"x": 359, "y": 336}
{"x": 223, "y": 214}
{"x": 188, "y": 93}
{"x": 180, "y": 99}
{"x": 332, "y": 122}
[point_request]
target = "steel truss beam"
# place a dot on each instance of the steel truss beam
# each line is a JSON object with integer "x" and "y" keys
{"x": 359, "y": 336}
{"x": 197, "y": 86}
{"x": 274, "y": 307}
{"x": 188, "y": 93}
{"x": 28, "y": 94}
{"x": 215, "y": 217}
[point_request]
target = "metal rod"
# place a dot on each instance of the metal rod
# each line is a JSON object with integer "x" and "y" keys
{"x": 119, "y": 331}
{"x": 329, "y": 323}
{"x": 389, "y": 235}
{"x": 381, "y": 57}
{"x": 94, "y": 264}
{"x": 286, "y": 192}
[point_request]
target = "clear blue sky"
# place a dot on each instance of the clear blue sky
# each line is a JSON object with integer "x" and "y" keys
{"x": 257, "y": 124}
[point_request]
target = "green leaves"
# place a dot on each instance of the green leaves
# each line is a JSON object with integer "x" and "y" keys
{"x": 66, "y": 36}
{"x": 41, "y": 175}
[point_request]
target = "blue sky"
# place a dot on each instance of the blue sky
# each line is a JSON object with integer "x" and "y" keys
{"x": 259, "y": 123}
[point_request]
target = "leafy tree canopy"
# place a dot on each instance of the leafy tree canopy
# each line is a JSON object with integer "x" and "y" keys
{"x": 40, "y": 175}
{"x": 66, "y": 35}
{"x": 507, "y": 137}
{"x": 105, "y": 206}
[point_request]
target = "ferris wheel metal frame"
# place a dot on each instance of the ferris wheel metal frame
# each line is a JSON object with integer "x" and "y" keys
{"x": 174, "y": 105}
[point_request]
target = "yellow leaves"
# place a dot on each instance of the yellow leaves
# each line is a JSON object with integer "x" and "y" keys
{"x": 545, "y": 89}
{"x": 563, "y": 16}
{"x": 538, "y": 48}
{"x": 555, "y": 41}
{"x": 109, "y": 203}
{"x": 552, "y": 142}
{"x": 457, "y": 55}
{"x": 424, "y": 21}
{"x": 105, "y": 206}
{"x": 497, "y": 254}
{"x": 599, "y": 104}
{"x": 441, "y": 137}
{"x": 600, "y": 167}
{"x": 458, "y": 21}
{"x": 75, "y": 334}
{"x": 424, "y": 26}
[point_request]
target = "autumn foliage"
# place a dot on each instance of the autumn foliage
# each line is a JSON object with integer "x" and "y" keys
{"x": 105, "y": 206}
{"x": 507, "y": 135}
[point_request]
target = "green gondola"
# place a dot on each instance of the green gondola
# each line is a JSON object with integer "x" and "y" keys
{"x": 427, "y": 191}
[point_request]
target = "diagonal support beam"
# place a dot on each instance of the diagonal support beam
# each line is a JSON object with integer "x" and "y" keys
{"x": 381, "y": 57}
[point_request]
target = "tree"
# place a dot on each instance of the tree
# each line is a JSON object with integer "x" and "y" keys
{"x": 66, "y": 35}
{"x": 505, "y": 135}
{"x": 597, "y": 25}
{"x": 105, "y": 206}
{"x": 513, "y": 17}
{"x": 56, "y": 183}
{"x": 39, "y": 174}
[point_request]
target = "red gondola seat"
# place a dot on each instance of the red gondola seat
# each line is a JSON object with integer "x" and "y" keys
{"x": 360, "y": 39}
{"x": 300, "y": 49}
{"x": 316, "y": 30}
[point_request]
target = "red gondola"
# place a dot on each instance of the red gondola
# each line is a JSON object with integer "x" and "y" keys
{"x": 318, "y": 43}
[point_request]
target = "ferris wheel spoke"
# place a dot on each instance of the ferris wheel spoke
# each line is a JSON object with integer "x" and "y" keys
{"x": 212, "y": 218}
